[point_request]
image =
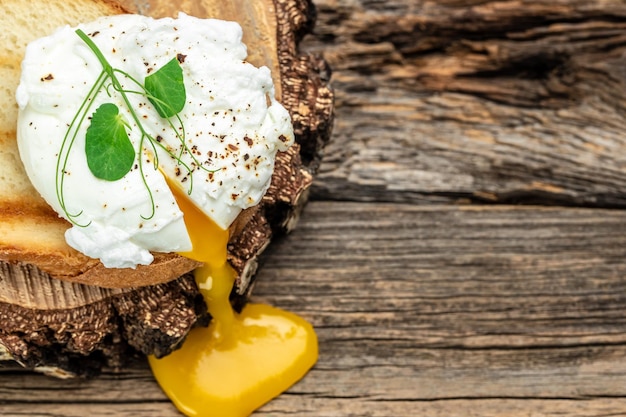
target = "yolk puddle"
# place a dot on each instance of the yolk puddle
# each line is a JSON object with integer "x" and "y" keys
{"x": 242, "y": 360}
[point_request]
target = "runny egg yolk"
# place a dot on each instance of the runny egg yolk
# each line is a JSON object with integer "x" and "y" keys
{"x": 242, "y": 360}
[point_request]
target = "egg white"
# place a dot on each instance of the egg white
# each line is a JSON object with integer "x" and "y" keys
{"x": 232, "y": 123}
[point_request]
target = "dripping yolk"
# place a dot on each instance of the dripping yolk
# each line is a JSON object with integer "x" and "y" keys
{"x": 242, "y": 360}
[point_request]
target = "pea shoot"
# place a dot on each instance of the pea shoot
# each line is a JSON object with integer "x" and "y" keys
{"x": 109, "y": 152}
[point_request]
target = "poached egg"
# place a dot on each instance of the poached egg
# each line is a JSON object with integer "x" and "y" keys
{"x": 231, "y": 124}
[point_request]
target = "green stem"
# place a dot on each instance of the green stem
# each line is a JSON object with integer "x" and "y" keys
{"x": 94, "y": 48}
{"x": 111, "y": 73}
{"x": 108, "y": 68}
{"x": 77, "y": 121}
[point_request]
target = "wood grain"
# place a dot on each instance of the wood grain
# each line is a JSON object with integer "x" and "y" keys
{"x": 484, "y": 101}
{"x": 435, "y": 310}
{"x": 423, "y": 307}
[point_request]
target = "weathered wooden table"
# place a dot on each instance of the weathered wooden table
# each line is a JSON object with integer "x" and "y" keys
{"x": 465, "y": 250}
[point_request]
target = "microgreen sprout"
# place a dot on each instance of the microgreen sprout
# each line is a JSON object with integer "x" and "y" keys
{"x": 109, "y": 152}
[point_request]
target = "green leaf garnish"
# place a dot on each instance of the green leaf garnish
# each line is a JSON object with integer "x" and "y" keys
{"x": 166, "y": 89}
{"x": 110, "y": 154}
{"x": 109, "y": 151}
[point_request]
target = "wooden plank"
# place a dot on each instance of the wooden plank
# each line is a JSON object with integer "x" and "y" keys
{"x": 489, "y": 101}
{"x": 445, "y": 310}
{"x": 422, "y": 310}
{"x": 448, "y": 408}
